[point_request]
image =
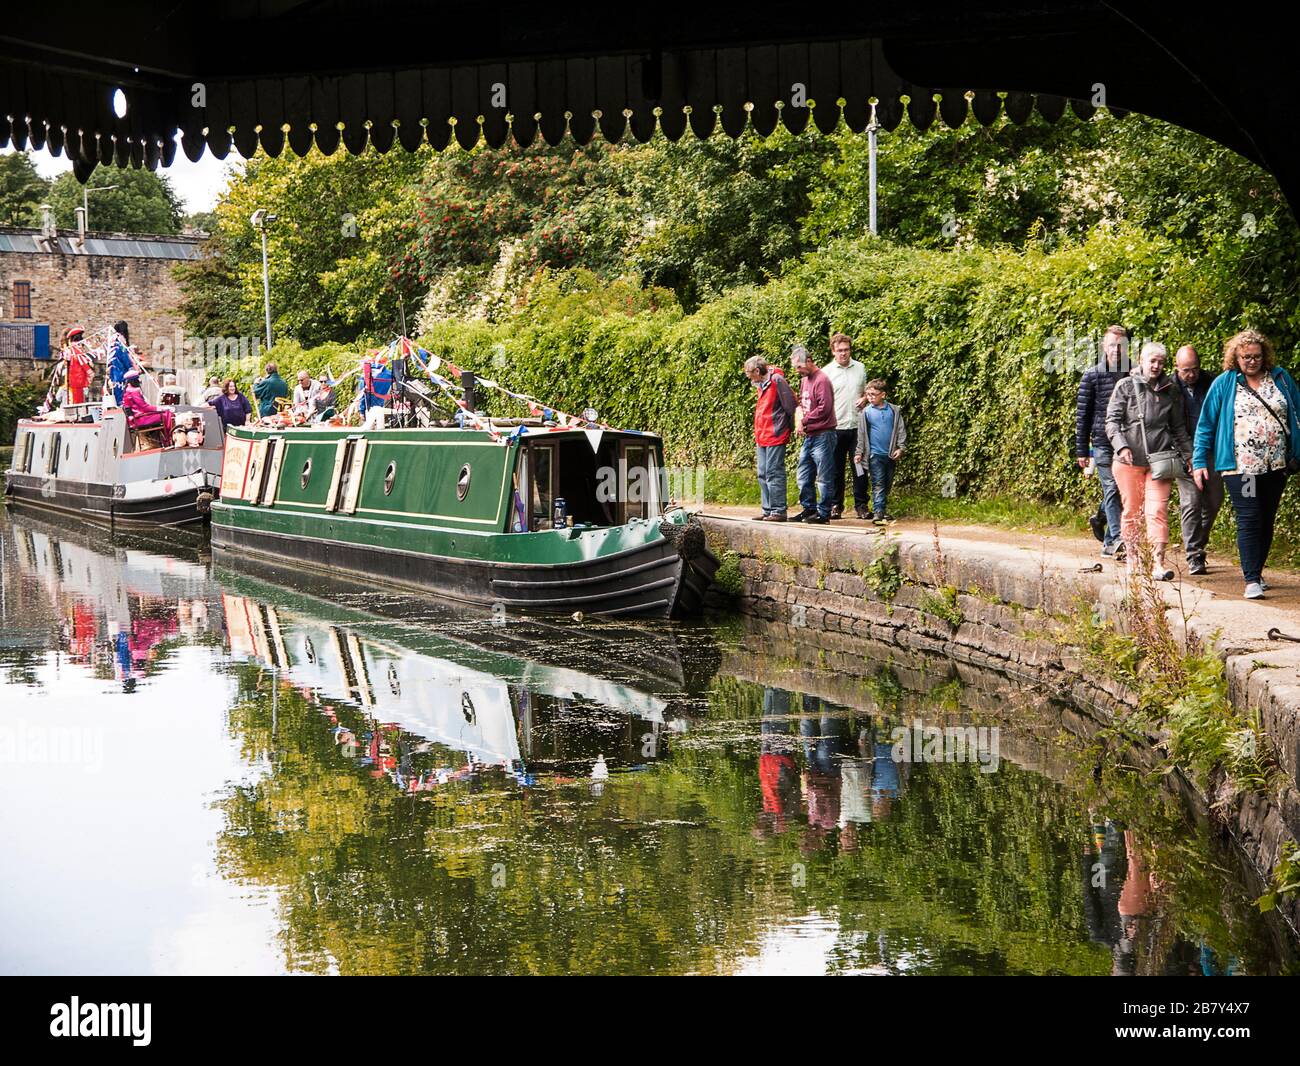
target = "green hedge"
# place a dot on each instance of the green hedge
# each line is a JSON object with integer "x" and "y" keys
{"x": 19, "y": 398}
{"x": 963, "y": 337}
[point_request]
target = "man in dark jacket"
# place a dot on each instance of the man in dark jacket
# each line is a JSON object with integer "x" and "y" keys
{"x": 773, "y": 419}
{"x": 1090, "y": 428}
{"x": 1197, "y": 508}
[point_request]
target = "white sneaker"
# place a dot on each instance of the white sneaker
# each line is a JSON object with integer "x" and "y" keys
{"x": 1263, "y": 584}
{"x": 1254, "y": 591}
{"x": 1161, "y": 574}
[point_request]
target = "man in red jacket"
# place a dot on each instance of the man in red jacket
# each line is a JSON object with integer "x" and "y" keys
{"x": 817, "y": 427}
{"x": 773, "y": 416}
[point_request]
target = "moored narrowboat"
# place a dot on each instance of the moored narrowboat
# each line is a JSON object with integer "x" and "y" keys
{"x": 543, "y": 518}
{"x": 86, "y": 461}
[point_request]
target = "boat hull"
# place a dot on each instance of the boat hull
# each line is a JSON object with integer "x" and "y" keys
{"x": 176, "y": 504}
{"x": 652, "y": 578}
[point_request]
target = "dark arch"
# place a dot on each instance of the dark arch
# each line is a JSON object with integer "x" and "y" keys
{"x": 289, "y": 74}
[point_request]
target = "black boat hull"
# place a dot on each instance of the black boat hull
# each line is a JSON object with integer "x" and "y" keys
{"x": 653, "y": 580}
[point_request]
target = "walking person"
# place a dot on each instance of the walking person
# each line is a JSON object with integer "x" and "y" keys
{"x": 881, "y": 438}
{"x": 815, "y": 423}
{"x": 1197, "y": 509}
{"x": 848, "y": 379}
{"x": 1090, "y": 429}
{"x": 1148, "y": 434}
{"x": 1249, "y": 432}
{"x": 773, "y": 417}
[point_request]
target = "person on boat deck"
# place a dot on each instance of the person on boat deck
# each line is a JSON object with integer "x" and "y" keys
{"x": 325, "y": 398}
{"x": 212, "y": 391}
{"x": 140, "y": 413}
{"x": 119, "y": 362}
{"x": 232, "y": 405}
{"x": 171, "y": 393}
{"x": 305, "y": 393}
{"x": 268, "y": 389}
{"x": 79, "y": 364}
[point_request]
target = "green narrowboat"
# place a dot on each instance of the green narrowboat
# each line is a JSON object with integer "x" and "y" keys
{"x": 546, "y": 519}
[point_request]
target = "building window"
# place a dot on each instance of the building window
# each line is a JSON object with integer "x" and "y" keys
{"x": 22, "y": 299}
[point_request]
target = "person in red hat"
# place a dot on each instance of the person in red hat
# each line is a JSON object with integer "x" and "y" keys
{"x": 78, "y": 364}
{"x": 140, "y": 413}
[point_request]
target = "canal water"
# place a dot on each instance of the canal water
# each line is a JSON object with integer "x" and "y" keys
{"x": 206, "y": 769}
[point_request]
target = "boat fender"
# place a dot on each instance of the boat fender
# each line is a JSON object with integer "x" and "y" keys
{"x": 203, "y": 502}
{"x": 688, "y": 540}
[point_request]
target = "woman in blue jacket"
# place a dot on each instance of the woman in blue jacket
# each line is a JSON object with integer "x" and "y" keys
{"x": 1250, "y": 430}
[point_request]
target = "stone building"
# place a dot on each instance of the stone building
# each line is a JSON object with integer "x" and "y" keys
{"x": 51, "y": 279}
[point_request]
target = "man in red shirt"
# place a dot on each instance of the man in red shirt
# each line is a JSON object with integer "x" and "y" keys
{"x": 773, "y": 415}
{"x": 817, "y": 427}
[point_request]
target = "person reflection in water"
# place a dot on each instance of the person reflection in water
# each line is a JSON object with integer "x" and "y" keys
{"x": 778, "y": 775}
{"x": 825, "y": 733}
{"x": 1103, "y": 878}
{"x": 1137, "y": 902}
{"x": 856, "y": 773}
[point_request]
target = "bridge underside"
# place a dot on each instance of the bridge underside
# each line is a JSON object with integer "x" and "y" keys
{"x": 296, "y": 73}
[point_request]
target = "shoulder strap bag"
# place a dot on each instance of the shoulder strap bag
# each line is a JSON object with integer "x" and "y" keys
{"x": 1292, "y": 465}
{"x": 1165, "y": 465}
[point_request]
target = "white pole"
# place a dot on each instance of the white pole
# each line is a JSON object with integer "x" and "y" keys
{"x": 266, "y": 287}
{"x": 872, "y": 127}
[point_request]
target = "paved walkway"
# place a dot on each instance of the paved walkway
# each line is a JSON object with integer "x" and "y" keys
{"x": 1215, "y": 599}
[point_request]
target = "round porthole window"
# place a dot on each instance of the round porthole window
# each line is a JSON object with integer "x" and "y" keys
{"x": 462, "y": 483}
{"x": 306, "y": 473}
{"x": 390, "y": 475}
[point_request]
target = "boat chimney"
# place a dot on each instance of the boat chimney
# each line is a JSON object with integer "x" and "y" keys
{"x": 469, "y": 382}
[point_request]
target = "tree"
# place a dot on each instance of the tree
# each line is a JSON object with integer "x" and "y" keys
{"x": 143, "y": 202}
{"x": 22, "y": 190}
{"x": 341, "y": 223}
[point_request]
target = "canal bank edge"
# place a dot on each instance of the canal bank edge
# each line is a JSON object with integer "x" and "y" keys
{"x": 1000, "y": 607}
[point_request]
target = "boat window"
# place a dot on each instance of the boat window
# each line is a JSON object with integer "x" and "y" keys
{"x": 390, "y": 475}
{"x": 633, "y": 479}
{"x": 306, "y": 473}
{"x": 85, "y": 454}
{"x": 462, "y": 482}
{"x": 539, "y": 491}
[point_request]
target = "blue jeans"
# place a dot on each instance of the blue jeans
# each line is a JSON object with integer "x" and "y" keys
{"x": 1255, "y": 499}
{"x": 816, "y": 473}
{"x": 1111, "y": 503}
{"x": 881, "y": 468}
{"x": 771, "y": 477}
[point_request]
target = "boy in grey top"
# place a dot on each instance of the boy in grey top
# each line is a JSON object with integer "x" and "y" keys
{"x": 882, "y": 438}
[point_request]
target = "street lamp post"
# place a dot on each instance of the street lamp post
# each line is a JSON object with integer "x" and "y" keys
{"x": 261, "y": 219}
{"x": 872, "y": 127}
{"x": 86, "y": 190}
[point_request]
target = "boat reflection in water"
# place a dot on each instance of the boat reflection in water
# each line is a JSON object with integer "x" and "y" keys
{"x": 113, "y": 609}
{"x": 469, "y": 698}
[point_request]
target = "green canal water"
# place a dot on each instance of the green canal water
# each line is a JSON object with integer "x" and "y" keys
{"x": 206, "y": 770}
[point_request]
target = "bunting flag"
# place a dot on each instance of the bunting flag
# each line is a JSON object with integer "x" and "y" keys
{"x": 446, "y": 375}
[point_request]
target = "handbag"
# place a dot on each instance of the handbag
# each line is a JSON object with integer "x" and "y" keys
{"x": 1292, "y": 465}
{"x": 1165, "y": 465}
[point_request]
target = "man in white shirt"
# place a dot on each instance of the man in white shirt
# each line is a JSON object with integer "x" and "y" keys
{"x": 848, "y": 379}
{"x": 305, "y": 393}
